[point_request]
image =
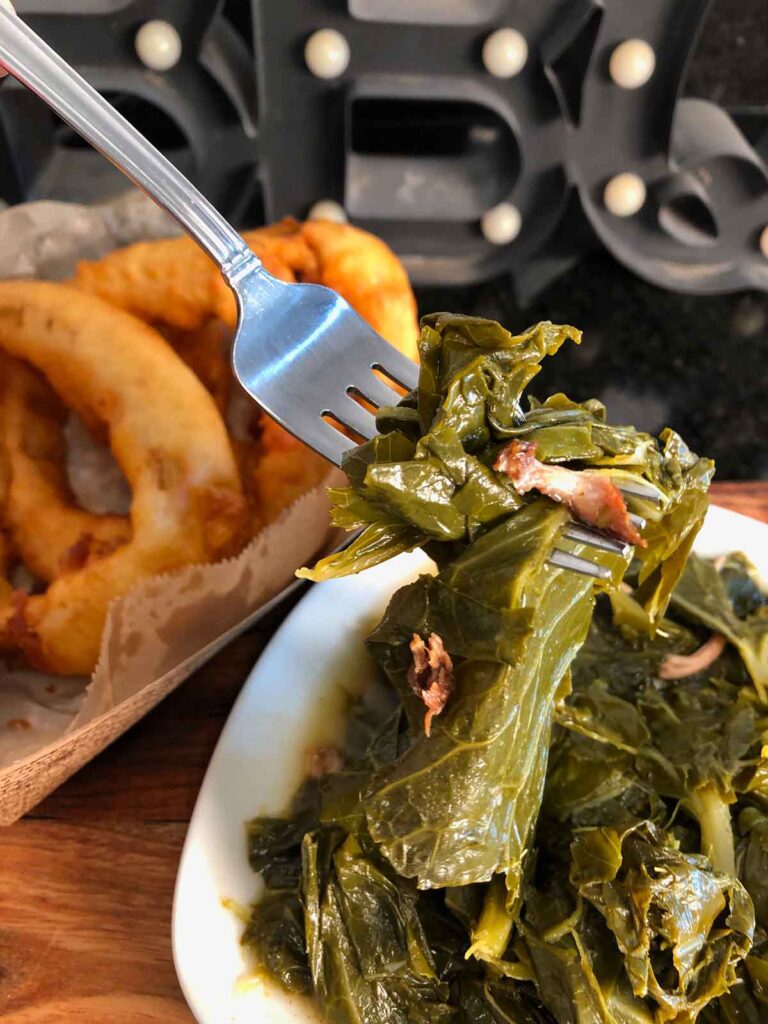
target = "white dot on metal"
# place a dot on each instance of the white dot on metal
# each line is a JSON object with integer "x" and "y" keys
{"x": 158, "y": 45}
{"x": 764, "y": 241}
{"x": 501, "y": 224}
{"x": 327, "y": 53}
{"x": 624, "y": 195}
{"x": 505, "y": 53}
{"x": 632, "y": 63}
{"x": 328, "y": 209}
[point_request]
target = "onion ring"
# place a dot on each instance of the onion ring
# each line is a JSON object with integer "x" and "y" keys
{"x": 207, "y": 352}
{"x": 364, "y": 270}
{"x": 6, "y": 544}
{"x": 174, "y": 285}
{"x": 276, "y": 470}
{"x": 167, "y": 437}
{"x": 50, "y": 534}
{"x": 172, "y": 281}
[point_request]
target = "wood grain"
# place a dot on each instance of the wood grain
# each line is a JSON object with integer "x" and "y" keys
{"x": 750, "y": 498}
{"x": 86, "y": 916}
{"x": 86, "y": 880}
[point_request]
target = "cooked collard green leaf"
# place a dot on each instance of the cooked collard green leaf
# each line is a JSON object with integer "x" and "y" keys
{"x": 368, "y": 954}
{"x": 703, "y": 596}
{"x": 275, "y": 936}
{"x": 428, "y": 478}
{"x": 510, "y": 622}
{"x": 459, "y": 806}
{"x": 696, "y": 740}
{"x": 560, "y": 849}
{"x": 753, "y": 861}
{"x": 681, "y": 927}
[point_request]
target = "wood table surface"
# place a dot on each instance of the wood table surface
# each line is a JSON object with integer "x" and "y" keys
{"x": 86, "y": 879}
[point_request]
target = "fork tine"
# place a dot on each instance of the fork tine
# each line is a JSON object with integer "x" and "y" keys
{"x": 354, "y": 416}
{"x": 575, "y": 563}
{"x": 595, "y": 539}
{"x": 394, "y": 364}
{"x": 377, "y": 391}
{"x": 326, "y": 439}
{"x": 639, "y": 489}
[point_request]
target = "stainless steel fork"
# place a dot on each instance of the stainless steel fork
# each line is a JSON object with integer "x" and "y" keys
{"x": 300, "y": 350}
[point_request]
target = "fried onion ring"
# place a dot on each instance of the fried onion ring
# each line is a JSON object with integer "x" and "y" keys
{"x": 207, "y": 352}
{"x": 6, "y": 544}
{"x": 174, "y": 285}
{"x": 172, "y": 281}
{"x": 364, "y": 270}
{"x": 50, "y": 533}
{"x": 276, "y": 470}
{"x": 166, "y": 436}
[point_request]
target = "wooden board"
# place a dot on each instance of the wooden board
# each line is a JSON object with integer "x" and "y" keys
{"x": 86, "y": 880}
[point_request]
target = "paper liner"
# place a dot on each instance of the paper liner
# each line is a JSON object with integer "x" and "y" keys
{"x": 155, "y": 637}
{"x": 166, "y": 627}
{"x": 46, "y": 239}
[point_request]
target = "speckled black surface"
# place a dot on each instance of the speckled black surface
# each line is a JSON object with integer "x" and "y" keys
{"x": 728, "y": 66}
{"x": 657, "y": 358}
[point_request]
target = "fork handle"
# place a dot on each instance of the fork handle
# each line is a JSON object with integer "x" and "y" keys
{"x": 30, "y": 60}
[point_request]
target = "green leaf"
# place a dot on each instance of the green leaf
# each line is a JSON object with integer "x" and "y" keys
{"x": 459, "y": 806}
{"x": 436, "y": 484}
{"x": 471, "y": 360}
{"x": 597, "y": 713}
{"x": 575, "y": 964}
{"x": 681, "y": 927}
{"x": 742, "y": 584}
{"x": 498, "y": 1001}
{"x": 368, "y": 953}
{"x": 701, "y": 596}
{"x": 572, "y": 903}
{"x": 378, "y": 543}
{"x": 275, "y": 936}
{"x": 589, "y": 781}
{"x": 274, "y": 844}
{"x": 753, "y": 861}
{"x": 696, "y": 740}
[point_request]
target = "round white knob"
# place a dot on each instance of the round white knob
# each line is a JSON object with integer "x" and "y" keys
{"x": 624, "y": 195}
{"x": 632, "y": 63}
{"x": 158, "y": 45}
{"x": 501, "y": 224}
{"x": 764, "y": 241}
{"x": 505, "y": 53}
{"x": 328, "y": 209}
{"x": 327, "y": 53}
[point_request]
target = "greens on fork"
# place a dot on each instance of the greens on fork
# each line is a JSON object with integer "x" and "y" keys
{"x": 562, "y": 814}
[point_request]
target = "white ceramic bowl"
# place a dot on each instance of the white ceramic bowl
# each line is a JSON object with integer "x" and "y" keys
{"x": 293, "y": 699}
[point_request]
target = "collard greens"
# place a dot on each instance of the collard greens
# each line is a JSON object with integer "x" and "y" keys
{"x": 578, "y": 839}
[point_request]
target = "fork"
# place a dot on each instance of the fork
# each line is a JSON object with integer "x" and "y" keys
{"x": 300, "y": 350}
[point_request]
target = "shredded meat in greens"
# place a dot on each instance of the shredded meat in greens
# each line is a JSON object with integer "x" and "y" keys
{"x": 593, "y": 498}
{"x": 430, "y": 675}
